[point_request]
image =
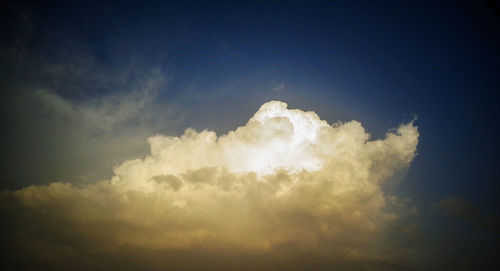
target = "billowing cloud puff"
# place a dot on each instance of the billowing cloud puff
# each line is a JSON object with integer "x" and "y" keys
{"x": 286, "y": 181}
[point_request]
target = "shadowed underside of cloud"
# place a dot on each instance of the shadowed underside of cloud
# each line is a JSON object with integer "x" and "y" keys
{"x": 285, "y": 191}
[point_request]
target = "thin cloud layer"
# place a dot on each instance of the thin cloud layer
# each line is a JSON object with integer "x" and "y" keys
{"x": 60, "y": 137}
{"x": 464, "y": 210}
{"x": 286, "y": 183}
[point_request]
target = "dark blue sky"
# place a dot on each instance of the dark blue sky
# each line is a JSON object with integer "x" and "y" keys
{"x": 378, "y": 62}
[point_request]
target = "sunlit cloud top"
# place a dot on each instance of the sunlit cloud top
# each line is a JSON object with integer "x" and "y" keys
{"x": 275, "y": 138}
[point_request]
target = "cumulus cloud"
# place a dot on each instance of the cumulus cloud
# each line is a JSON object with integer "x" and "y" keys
{"x": 286, "y": 187}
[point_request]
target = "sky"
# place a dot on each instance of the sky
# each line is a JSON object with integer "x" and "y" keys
{"x": 258, "y": 135}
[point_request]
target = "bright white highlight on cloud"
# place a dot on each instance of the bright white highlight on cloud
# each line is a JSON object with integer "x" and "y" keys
{"x": 275, "y": 138}
{"x": 290, "y": 142}
{"x": 285, "y": 179}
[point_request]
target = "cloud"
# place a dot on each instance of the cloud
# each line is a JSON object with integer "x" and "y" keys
{"x": 457, "y": 207}
{"x": 279, "y": 87}
{"x": 61, "y": 137}
{"x": 75, "y": 117}
{"x": 69, "y": 111}
{"x": 286, "y": 188}
{"x": 467, "y": 211}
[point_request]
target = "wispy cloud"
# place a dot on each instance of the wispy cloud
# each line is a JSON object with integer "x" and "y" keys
{"x": 467, "y": 211}
{"x": 279, "y": 87}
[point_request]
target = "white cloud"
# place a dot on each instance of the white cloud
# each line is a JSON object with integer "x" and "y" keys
{"x": 285, "y": 179}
